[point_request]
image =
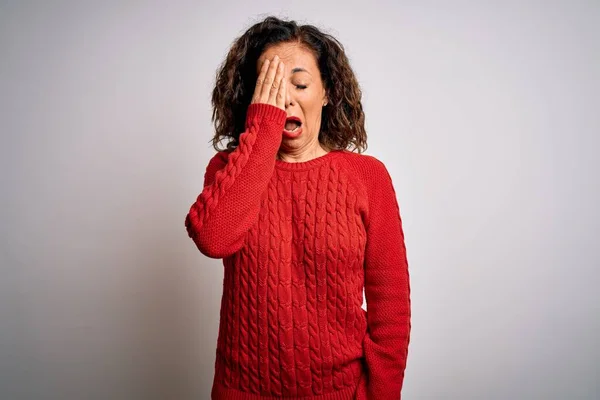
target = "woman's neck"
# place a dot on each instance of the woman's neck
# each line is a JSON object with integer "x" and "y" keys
{"x": 302, "y": 156}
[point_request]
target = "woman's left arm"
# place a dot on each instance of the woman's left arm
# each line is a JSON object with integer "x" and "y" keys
{"x": 387, "y": 288}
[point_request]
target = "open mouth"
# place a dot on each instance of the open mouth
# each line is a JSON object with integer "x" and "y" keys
{"x": 292, "y": 124}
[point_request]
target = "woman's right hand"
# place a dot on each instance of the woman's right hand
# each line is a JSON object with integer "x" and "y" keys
{"x": 270, "y": 85}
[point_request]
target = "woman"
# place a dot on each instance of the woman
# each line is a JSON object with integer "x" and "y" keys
{"x": 302, "y": 225}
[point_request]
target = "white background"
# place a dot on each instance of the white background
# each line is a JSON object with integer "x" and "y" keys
{"x": 486, "y": 114}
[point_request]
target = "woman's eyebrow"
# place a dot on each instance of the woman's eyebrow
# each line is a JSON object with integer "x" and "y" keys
{"x": 298, "y": 69}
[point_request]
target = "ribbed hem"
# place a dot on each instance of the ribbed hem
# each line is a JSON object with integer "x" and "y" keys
{"x": 220, "y": 392}
{"x": 355, "y": 392}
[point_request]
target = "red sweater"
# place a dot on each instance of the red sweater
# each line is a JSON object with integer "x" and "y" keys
{"x": 299, "y": 241}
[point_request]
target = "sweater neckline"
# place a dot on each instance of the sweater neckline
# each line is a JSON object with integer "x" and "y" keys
{"x": 308, "y": 164}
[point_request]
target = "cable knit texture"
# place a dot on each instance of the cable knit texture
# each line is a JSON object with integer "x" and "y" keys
{"x": 299, "y": 242}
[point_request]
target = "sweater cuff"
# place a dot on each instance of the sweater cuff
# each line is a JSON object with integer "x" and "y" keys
{"x": 263, "y": 111}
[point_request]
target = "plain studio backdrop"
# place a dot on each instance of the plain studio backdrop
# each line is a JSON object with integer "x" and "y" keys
{"x": 486, "y": 114}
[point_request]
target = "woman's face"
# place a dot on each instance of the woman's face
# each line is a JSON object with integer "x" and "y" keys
{"x": 305, "y": 96}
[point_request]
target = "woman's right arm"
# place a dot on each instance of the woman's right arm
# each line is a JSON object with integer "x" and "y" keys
{"x": 235, "y": 182}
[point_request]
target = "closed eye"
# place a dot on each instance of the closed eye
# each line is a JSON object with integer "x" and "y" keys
{"x": 301, "y": 86}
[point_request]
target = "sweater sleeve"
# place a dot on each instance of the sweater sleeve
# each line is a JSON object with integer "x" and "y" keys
{"x": 234, "y": 183}
{"x": 387, "y": 288}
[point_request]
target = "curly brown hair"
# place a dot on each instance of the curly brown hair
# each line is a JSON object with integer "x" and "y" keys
{"x": 343, "y": 119}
